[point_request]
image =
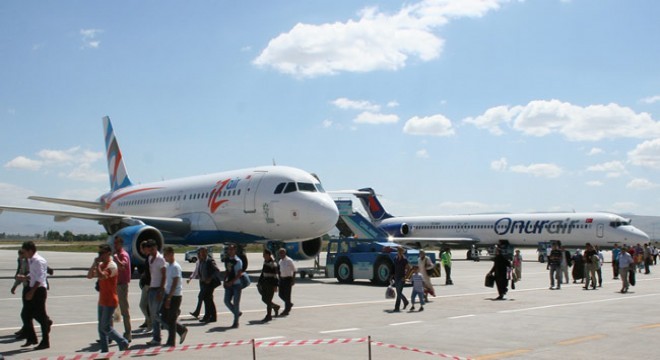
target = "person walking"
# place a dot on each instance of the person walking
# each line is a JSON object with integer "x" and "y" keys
{"x": 517, "y": 265}
{"x": 417, "y": 281}
{"x": 446, "y": 263}
{"x": 22, "y": 271}
{"x": 104, "y": 269}
{"x": 200, "y": 294}
{"x": 616, "y": 251}
{"x": 500, "y": 269}
{"x": 209, "y": 276}
{"x": 287, "y": 275}
{"x": 123, "y": 261}
{"x": 554, "y": 262}
{"x": 626, "y": 266}
{"x": 566, "y": 262}
{"x": 425, "y": 266}
{"x": 591, "y": 264}
{"x": 145, "y": 280}
{"x": 233, "y": 273}
{"x": 172, "y": 304}
{"x": 648, "y": 259}
{"x": 156, "y": 290}
{"x": 35, "y": 298}
{"x": 267, "y": 285}
{"x": 401, "y": 267}
{"x": 578, "y": 267}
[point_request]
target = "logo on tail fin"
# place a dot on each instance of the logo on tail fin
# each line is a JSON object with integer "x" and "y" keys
{"x": 116, "y": 169}
{"x": 372, "y": 205}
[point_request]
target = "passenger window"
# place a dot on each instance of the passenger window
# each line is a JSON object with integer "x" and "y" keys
{"x": 306, "y": 187}
{"x": 279, "y": 188}
{"x": 290, "y": 187}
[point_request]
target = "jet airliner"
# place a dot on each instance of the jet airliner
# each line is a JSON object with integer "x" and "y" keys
{"x": 255, "y": 205}
{"x": 525, "y": 230}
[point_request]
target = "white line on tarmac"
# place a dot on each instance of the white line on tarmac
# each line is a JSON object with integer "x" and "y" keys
{"x": 461, "y": 316}
{"x": 269, "y": 338}
{"x": 338, "y": 330}
{"x": 407, "y": 323}
{"x": 578, "y": 303}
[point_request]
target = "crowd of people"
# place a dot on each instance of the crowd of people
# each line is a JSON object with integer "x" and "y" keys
{"x": 161, "y": 285}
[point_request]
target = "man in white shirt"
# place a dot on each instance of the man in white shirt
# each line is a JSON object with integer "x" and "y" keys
{"x": 287, "y": 272}
{"x": 156, "y": 289}
{"x": 35, "y": 298}
{"x": 173, "y": 291}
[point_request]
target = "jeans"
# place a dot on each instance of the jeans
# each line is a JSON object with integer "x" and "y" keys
{"x": 398, "y": 285}
{"x": 555, "y": 273}
{"x": 154, "y": 310}
{"x": 233, "y": 299}
{"x": 106, "y": 330}
{"x": 415, "y": 294}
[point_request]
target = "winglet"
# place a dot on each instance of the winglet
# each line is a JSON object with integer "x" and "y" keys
{"x": 116, "y": 169}
{"x": 371, "y": 204}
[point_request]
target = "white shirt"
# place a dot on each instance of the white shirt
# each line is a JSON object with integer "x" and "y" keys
{"x": 154, "y": 269}
{"x": 287, "y": 267}
{"x": 38, "y": 270}
{"x": 173, "y": 271}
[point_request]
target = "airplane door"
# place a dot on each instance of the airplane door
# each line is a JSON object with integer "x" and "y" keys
{"x": 250, "y": 198}
{"x": 600, "y": 228}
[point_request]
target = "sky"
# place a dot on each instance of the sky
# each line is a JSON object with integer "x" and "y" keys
{"x": 443, "y": 107}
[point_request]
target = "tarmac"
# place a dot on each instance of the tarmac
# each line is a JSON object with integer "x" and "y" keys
{"x": 354, "y": 321}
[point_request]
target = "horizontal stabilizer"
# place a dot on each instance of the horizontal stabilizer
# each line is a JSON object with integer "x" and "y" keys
{"x": 77, "y": 203}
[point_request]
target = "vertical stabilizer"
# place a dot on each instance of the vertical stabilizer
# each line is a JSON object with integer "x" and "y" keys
{"x": 116, "y": 169}
{"x": 371, "y": 204}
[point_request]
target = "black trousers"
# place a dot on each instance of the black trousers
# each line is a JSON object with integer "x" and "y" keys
{"x": 267, "y": 293}
{"x": 35, "y": 309}
{"x": 210, "y": 312}
{"x": 286, "y": 283}
{"x": 170, "y": 317}
{"x": 501, "y": 282}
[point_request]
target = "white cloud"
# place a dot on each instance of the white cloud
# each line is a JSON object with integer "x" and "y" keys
{"x": 575, "y": 123}
{"x": 436, "y": 125}
{"x": 21, "y": 162}
{"x": 646, "y": 154}
{"x": 89, "y": 38}
{"x": 595, "y": 151}
{"x": 368, "y": 117}
{"x": 348, "y": 104}
{"x": 641, "y": 184}
{"x": 612, "y": 168}
{"x": 499, "y": 165}
{"x": 422, "y": 154}
{"x": 538, "y": 170}
{"x": 392, "y": 104}
{"x": 650, "y": 99}
{"x": 326, "y": 123}
{"x": 374, "y": 41}
{"x": 594, "y": 183}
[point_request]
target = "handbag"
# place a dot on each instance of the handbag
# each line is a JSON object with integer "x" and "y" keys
{"x": 245, "y": 280}
{"x": 490, "y": 280}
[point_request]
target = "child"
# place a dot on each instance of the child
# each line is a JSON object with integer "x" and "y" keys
{"x": 418, "y": 288}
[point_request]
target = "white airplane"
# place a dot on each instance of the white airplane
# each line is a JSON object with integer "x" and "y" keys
{"x": 519, "y": 230}
{"x": 255, "y": 205}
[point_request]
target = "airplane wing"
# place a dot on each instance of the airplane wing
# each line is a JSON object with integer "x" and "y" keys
{"x": 454, "y": 241}
{"x": 176, "y": 225}
{"x": 78, "y": 203}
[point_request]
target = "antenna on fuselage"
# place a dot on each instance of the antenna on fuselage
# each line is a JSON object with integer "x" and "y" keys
{"x": 274, "y": 164}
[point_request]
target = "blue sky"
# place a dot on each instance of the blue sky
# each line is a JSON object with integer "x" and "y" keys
{"x": 444, "y": 107}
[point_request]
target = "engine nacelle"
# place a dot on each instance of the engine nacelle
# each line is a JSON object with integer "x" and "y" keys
{"x": 302, "y": 250}
{"x": 397, "y": 230}
{"x": 135, "y": 235}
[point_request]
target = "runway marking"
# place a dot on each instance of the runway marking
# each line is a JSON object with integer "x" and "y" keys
{"x": 338, "y": 330}
{"x": 407, "y": 323}
{"x": 501, "y": 355}
{"x": 576, "y": 303}
{"x": 461, "y": 316}
{"x": 582, "y": 339}
{"x": 650, "y": 326}
{"x": 269, "y": 338}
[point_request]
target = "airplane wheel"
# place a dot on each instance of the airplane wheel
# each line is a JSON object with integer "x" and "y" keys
{"x": 344, "y": 271}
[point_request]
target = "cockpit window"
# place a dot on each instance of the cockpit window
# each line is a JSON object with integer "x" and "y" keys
{"x": 617, "y": 223}
{"x": 279, "y": 188}
{"x": 319, "y": 187}
{"x": 290, "y": 187}
{"x": 306, "y": 187}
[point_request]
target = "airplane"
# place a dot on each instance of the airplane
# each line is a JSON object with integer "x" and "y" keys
{"x": 571, "y": 229}
{"x": 273, "y": 205}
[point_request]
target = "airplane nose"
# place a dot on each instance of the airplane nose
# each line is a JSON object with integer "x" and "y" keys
{"x": 326, "y": 214}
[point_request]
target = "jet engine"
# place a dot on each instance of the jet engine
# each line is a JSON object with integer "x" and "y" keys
{"x": 135, "y": 235}
{"x": 397, "y": 230}
{"x": 302, "y": 250}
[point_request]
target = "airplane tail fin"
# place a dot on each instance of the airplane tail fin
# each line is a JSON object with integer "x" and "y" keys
{"x": 116, "y": 169}
{"x": 371, "y": 204}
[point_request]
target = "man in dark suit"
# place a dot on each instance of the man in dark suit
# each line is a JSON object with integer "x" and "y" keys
{"x": 209, "y": 275}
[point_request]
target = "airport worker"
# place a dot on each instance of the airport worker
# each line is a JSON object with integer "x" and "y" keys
{"x": 172, "y": 304}
{"x": 200, "y": 294}
{"x": 626, "y": 263}
{"x": 566, "y": 262}
{"x": 287, "y": 276}
{"x": 591, "y": 263}
{"x": 425, "y": 266}
{"x": 105, "y": 270}
{"x": 446, "y": 263}
{"x": 123, "y": 261}
{"x": 156, "y": 290}
{"x": 417, "y": 281}
{"x": 22, "y": 271}
{"x": 500, "y": 269}
{"x": 616, "y": 251}
{"x": 267, "y": 285}
{"x": 554, "y": 262}
{"x": 401, "y": 267}
{"x": 517, "y": 265}
{"x": 35, "y": 298}
{"x": 599, "y": 270}
{"x": 145, "y": 280}
{"x": 209, "y": 275}
{"x": 233, "y": 273}
{"x": 578, "y": 267}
